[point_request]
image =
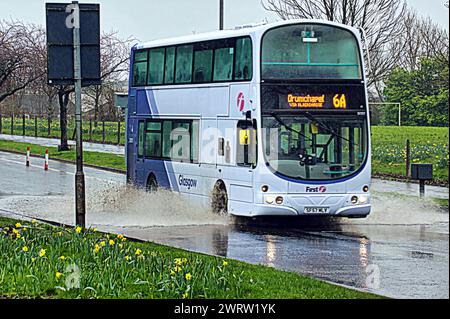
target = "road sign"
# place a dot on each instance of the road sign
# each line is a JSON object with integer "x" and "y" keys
{"x": 61, "y": 20}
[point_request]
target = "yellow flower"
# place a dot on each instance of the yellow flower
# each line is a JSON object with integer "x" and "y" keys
{"x": 60, "y": 233}
{"x": 225, "y": 263}
{"x": 97, "y": 248}
{"x": 178, "y": 262}
{"x": 185, "y": 260}
{"x": 62, "y": 258}
{"x": 25, "y": 229}
{"x": 177, "y": 269}
{"x": 185, "y": 296}
{"x": 138, "y": 252}
{"x": 34, "y": 221}
{"x": 172, "y": 273}
{"x": 15, "y": 231}
{"x": 58, "y": 275}
{"x": 18, "y": 236}
{"x": 25, "y": 249}
{"x": 42, "y": 253}
{"x": 111, "y": 242}
{"x": 188, "y": 276}
{"x": 78, "y": 229}
{"x": 120, "y": 236}
{"x": 127, "y": 258}
{"x": 94, "y": 230}
{"x": 103, "y": 243}
{"x": 18, "y": 225}
{"x": 120, "y": 246}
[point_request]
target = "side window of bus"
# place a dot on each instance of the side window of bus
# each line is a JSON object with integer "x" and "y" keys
{"x": 181, "y": 141}
{"x": 223, "y": 64}
{"x": 153, "y": 140}
{"x": 244, "y": 66}
{"x": 246, "y": 144}
{"x": 169, "y": 70}
{"x": 141, "y": 139}
{"x": 203, "y": 60}
{"x": 156, "y": 66}
{"x": 184, "y": 64}
{"x": 140, "y": 68}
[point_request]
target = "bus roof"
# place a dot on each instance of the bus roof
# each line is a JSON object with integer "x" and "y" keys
{"x": 238, "y": 32}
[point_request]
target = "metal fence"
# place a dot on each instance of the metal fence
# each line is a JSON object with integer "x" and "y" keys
{"x": 102, "y": 131}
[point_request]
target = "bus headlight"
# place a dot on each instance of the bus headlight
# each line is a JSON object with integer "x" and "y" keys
{"x": 354, "y": 200}
{"x": 269, "y": 199}
{"x": 279, "y": 200}
{"x": 264, "y": 188}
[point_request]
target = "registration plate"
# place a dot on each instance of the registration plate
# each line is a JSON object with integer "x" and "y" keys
{"x": 317, "y": 210}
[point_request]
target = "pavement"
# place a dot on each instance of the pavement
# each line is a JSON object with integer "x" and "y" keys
{"x": 51, "y": 142}
{"x": 401, "y": 250}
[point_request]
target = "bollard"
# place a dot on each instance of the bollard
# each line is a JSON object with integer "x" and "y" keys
{"x": 408, "y": 158}
{"x": 12, "y": 124}
{"x": 1, "y": 124}
{"x": 35, "y": 126}
{"x": 46, "y": 160}
{"x": 23, "y": 124}
{"x": 118, "y": 132}
{"x": 27, "y": 163}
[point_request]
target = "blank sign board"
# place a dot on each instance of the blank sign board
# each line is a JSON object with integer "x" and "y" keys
{"x": 60, "y": 43}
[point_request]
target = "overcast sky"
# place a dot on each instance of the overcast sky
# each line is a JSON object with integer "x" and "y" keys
{"x": 154, "y": 19}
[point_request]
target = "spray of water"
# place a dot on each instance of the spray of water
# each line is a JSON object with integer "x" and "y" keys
{"x": 395, "y": 209}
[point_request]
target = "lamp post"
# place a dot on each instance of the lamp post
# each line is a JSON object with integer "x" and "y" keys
{"x": 221, "y": 6}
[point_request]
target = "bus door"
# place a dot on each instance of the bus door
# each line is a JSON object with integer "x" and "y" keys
{"x": 140, "y": 169}
{"x": 241, "y": 189}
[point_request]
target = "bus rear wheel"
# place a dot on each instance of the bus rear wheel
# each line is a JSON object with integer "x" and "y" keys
{"x": 152, "y": 184}
{"x": 219, "y": 201}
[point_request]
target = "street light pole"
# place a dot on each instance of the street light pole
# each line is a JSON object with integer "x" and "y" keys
{"x": 221, "y": 14}
{"x": 80, "y": 204}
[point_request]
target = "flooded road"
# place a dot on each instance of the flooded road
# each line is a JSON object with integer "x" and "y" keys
{"x": 400, "y": 251}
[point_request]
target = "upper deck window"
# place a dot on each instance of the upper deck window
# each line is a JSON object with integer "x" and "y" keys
{"x": 221, "y": 60}
{"x": 310, "y": 51}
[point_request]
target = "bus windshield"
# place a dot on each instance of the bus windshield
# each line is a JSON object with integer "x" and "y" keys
{"x": 310, "y": 51}
{"x": 312, "y": 146}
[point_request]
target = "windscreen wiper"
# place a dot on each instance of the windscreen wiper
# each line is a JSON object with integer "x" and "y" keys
{"x": 331, "y": 131}
{"x": 289, "y": 128}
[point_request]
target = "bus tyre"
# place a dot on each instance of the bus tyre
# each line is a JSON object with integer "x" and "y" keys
{"x": 152, "y": 185}
{"x": 219, "y": 201}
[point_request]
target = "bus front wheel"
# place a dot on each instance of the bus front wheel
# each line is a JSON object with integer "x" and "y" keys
{"x": 152, "y": 184}
{"x": 219, "y": 202}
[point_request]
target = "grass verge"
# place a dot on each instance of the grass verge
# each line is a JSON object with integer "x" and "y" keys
{"x": 105, "y": 160}
{"x": 42, "y": 261}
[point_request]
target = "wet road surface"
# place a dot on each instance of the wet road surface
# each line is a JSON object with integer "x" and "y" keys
{"x": 400, "y": 251}
{"x": 52, "y": 142}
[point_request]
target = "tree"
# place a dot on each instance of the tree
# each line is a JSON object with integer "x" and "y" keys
{"x": 379, "y": 18}
{"x": 424, "y": 94}
{"x": 20, "y": 48}
{"x": 114, "y": 66}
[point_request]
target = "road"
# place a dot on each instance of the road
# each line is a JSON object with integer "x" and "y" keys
{"x": 400, "y": 251}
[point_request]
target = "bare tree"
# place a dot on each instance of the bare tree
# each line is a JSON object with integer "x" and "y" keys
{"x": 20, "y": 49}
{"x": 114, "y": 64}
{"x": 379, "y": 18}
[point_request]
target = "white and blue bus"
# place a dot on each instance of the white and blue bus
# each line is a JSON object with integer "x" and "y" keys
{"x": 262, "y": 120}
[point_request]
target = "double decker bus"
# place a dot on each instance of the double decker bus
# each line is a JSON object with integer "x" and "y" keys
{"x": 264, "y": 120}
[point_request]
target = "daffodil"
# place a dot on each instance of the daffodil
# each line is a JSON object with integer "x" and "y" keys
{"x": 178, "y": 262}
{"x": 62, "y": 258}
{"x": 225, "y": 263}
{"x": 188, "y": 277}
{"x": 58, "y": 275}
{"x": 18, "y": 225}
{"x": 172, "y": 273}
{"x": 15, "y": 231}
{"x": 78, "y": 229}
{"x": 97, "y": 248}
{"x": 25, "y": 249}
{"x": 185, "y": 296}
{"x": 127, "y": 258}
{"x": 34, "y": 221}
{"x": 138, "y": 252}
{"x": 177, "y": 269}
{"x": 103, "y": 243}
{"x": 111, "y": 242}
{"x": 120, "y": 236}
{"x": 42, "y": 253}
